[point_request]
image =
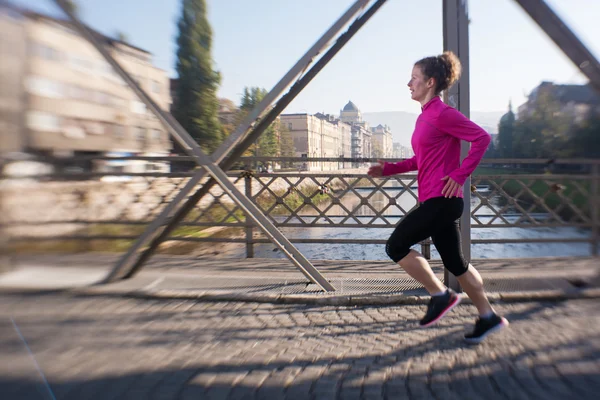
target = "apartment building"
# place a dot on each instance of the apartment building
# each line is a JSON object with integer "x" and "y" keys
{"x": 361, "y": 132}
{"x": 70, "y": 102}
{"x": 319, "y": 135}
{"x": 383, "y": 146}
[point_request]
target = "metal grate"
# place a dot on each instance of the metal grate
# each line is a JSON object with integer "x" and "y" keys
{"x": 357, "y": 286}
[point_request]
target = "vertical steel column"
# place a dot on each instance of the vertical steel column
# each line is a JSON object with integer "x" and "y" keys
{"x": 249, "y": 224}
{"x": 456, "y": 39}
{"x": 595, "y": 213}
{"x": 595, "y": 208}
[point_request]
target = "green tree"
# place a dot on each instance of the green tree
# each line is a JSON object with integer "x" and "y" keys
{"x": 492, "y": 151}
{"x": 196, "y": 105}
{"x": 73, "y": 7}
{"x": 377, "y": 151}
{"x": 121, "y": 36}
{"x": 544, "y": 131}
{"x": 286, "y": 143}
{"x": 585, "y": 141}
{"x": 506, "y": 130}
{"x": 267, "y": 145}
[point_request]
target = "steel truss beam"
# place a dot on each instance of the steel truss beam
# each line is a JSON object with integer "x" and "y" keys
{"x": 218, "y": 175}
{"x": 564, "y": 38}
{"x": 253, "y": 135}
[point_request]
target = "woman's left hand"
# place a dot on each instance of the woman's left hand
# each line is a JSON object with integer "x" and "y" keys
{"x": 452, "y": 187}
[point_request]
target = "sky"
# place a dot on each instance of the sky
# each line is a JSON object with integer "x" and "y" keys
{"x": 256, "y": 42}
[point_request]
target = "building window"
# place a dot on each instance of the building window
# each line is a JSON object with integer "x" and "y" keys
{"x": 155, "y": 86}
{"x": 140, "y": 134}
{"x": 79, "y": 63}
{"x": 45, "y": 87}
{"x": 138, "y": 107}
{"x": 290, "y": 126}
{"x": 43, "y": 121}
{"x": 119, "y": 132}
{"x": 155, "y": 135}
{"x": 46, "y": 52}
{"x": 116, "y": 101}
{"x": 79, "y": 93}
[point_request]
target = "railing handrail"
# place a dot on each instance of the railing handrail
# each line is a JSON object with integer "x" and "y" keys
{"x": 564, "y": 200}
{"x": 177, "y": 158}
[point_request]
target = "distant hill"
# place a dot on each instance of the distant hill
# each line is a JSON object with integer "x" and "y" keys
{"x": 403, "y": 123}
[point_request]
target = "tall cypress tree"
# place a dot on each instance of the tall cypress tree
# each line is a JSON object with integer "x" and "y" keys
{"x": 196, "y": 105}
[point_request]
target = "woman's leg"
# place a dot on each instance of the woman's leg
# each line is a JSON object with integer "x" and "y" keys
{"x": 419, "y": 269}
{"x": 472, "y": 284}
{"x": 448, "y": 243}
{"x": 412, "y": 229}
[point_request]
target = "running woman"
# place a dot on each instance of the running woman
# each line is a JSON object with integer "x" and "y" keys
{"x": 436, "y": 142}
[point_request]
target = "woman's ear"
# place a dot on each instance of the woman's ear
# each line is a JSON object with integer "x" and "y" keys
{"x": 430, "y": 83}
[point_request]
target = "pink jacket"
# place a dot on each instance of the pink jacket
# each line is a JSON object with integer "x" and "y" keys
{"x": 436, "y": 143}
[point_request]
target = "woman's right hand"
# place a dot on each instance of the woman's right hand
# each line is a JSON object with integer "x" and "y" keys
{"x": 376, "y": 171}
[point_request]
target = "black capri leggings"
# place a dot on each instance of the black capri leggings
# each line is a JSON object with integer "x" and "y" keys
{"x": 436, "y": 218}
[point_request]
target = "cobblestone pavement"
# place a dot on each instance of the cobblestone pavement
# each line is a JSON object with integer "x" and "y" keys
{"x": 110, "y": 348}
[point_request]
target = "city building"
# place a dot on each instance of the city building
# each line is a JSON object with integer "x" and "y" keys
{"x": 361, "y": 132}
{"x": 383, "y": 146}
{"x": 325, "y": 136}
{"x": 65, "y": 100}
{"x": 321, "y": 136}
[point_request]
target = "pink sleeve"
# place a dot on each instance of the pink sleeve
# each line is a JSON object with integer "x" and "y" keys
{"x": 401, "y": 167}
{"x": 456, "y": 124}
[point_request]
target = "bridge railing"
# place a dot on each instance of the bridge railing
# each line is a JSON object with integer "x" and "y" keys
{"x": 103, "y": 203}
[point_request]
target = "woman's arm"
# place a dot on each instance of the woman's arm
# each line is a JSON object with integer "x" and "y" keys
{"x": 457, "y": 125}
{"x": 400, "y": 167}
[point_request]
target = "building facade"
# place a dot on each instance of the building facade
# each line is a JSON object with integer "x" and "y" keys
{"x": 73, "y": 103}
{"x": 325, "y": 136}
{"x": 320, "y": 136}
{"x": 382, "y": 142}
{"x": 361, "y": 132}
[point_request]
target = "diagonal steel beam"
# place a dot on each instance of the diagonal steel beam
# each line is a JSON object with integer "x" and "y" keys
{"x": 137, "y": 263}
{"x": 564, "y": 38}
{"x": 137, "y": 260}
{"x": 206, "y": 162}
{"x": 217, "y": 174}
{"x": 238, "y": 134}
{"x": 159, "y": 229}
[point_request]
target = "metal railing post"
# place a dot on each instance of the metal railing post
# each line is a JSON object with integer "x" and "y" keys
{"x": 595, "y": 208}
{"x": 426, "y": 250}
{"x": 249, "y": 224}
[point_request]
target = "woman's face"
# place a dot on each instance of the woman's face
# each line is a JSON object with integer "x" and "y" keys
{"x": 419, "y": 85}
